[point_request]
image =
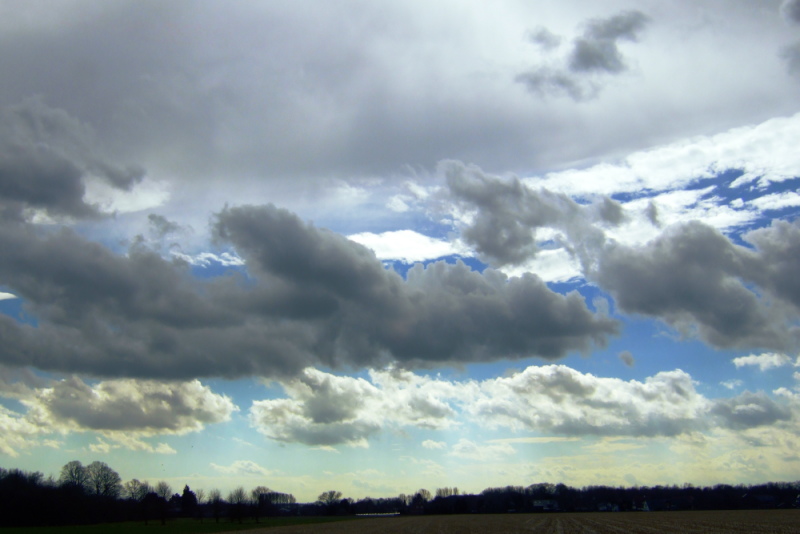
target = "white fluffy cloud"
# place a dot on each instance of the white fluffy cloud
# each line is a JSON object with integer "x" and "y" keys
{"x": 408, "y": 246}
{"x": 325, "y": 410}
{"x": 764, "y": 361}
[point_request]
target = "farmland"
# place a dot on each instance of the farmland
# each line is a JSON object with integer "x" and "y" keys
{"x": 706, "y": 522}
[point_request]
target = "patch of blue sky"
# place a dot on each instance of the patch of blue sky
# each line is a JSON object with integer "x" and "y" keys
{"x": 402, "y": 268}
{"x": 14, "y": 308}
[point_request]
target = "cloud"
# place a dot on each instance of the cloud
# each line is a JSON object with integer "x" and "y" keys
{"x": 765, "y": 361}
{"x": 627, "y": 358}
{"x": 560, "y": 400}
{"x": 749, "y": 410}
{"x": 17, "y": 433}
{"x": 242, "y": 468}
{"x": 322, "y": 409}
{"x": 470, "y": 450}
{"x": 731, "y": 384}
{"x": 594, "y": 52}
{"x": 790, "y": 9}
{"x": 122, "y": 411}
{"x": 764, "y": 153}
{"x": 690, "y": 278}
{"x": 544, "y": 38}
{"x": 500, "y": 218}
{"x": 407, "y": 245}
{"x": 596, "y": 49}
{"x": 325, "y": 410}
{"x": 133, "y": 406}
{"x": 46, "y": 157}
{"x": 313, "y": 297}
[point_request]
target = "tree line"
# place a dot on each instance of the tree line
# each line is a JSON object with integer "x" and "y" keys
{"x": 84, "y": 494}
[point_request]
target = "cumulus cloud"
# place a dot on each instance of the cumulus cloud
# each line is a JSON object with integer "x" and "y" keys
{"x": 140, "y": 406}
{"x": 749, "y": 410}
{"x": 500, "y": 218}
{"x": 560, "y": 400}
{"x": 122, "y": 411}
{"x": 595, "y": 51}
{"x": 690, "y": 278}
{"x": 324, "y": 409}
{"x": 313, "y": 297}
{"x": 327, "y": 410}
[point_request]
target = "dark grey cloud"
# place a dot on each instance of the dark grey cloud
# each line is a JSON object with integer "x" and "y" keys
{"x": 160, "y": 226}
{"x": 46, "y": 156}
{"x": 790, "y": 9}
{"x": 651, "y": 212}
{"x": 507, "y": 215}
{"x": 749, "y": 410}
{"x": 791, "y": 55}
{"x": 312, "y": 298}
{"x": 595, "y": 51}
{"x": 777, "y": 260}
{"x": 544, "y": 38}
{"x": 627, "y": 358}
{"x": 441, "y": 312}
{"x": 690, "y": 277}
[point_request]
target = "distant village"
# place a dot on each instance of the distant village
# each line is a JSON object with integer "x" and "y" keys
{"x": 95, "y": 493}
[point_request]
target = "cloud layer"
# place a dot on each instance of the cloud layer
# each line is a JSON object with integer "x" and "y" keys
{"x": 322, "y": 409}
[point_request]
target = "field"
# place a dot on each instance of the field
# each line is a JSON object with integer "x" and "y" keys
{"x": 750, "y": 522}
{"x": 716, "y": 522}
{"x": 175, "y": 526}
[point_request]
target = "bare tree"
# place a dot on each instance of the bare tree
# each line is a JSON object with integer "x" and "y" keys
{"x": 136, "y": 490}
{"x": 424, "y": 494}
{"x": 237, "y": 498}
{"x": 74, "y": 474}
{"x": 102, "y": 480}
{"x": 329, "y": 497}
{"x": 201, "y": 495}
{"x": 215, "y": 499}
{"x": 163, "y": 490}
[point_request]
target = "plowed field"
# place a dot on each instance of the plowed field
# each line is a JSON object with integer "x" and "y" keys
{"x": 744, "y": 522}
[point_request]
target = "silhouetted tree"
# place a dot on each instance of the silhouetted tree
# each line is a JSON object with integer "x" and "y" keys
{"x": 215, "y": 500}
{"x": 201, "y": 495}
{"x": 74, "y": 474}
{"x": 188, "y": 502}
{"x": 163, "y": 490}
{"x": 237, "y": 499}
{"x": 136, "y": 490}
{"x": 261, "y": 504}
{"x": 102, "y": 480}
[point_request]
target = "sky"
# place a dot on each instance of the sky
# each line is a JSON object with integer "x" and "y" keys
{"x": 382, "y": 246}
